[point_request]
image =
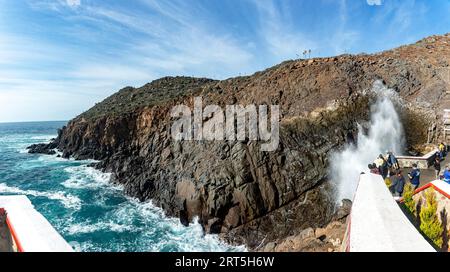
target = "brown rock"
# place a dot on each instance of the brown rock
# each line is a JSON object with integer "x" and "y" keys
{"x": 232, "y": 219}
{"x": 277, "y": 198}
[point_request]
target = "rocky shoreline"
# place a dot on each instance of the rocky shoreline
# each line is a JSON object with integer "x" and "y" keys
{"x": 265, "y": 200}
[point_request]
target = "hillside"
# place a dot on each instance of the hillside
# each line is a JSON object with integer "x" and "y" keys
{"x": 248, "y": 196}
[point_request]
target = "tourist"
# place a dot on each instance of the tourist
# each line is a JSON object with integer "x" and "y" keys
{"x": 383, "y": 166}
{"x": 373, "y": 169}
{"x": 414, "y": 176}
{"x": 437, "y": 165}
{"x": 392, "y": 160}
{"x": 441, "y": 151}
{"x": 398, "y": 184}
{"x": 447, "y": 174}
{"x": 387, "y": 159}
{"x": 378, "y": 162}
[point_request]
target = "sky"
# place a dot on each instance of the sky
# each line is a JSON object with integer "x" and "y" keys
{"x": 60, "y": 57}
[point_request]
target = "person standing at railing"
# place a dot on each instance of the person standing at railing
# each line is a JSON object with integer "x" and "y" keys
{"x": 414, "y": 176}
{"x": 447, "y": 174}
{"x": 441, "y": 151}
{"x": 373, "y": 169}
{"x": 437, "y": 165}
{"x": 398, "y": 184}
{"x": 382, "y": 165}
{"x": 392, "y": 161}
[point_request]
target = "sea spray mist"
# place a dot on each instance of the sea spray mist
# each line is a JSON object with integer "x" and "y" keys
{"x": 385, "y": 132}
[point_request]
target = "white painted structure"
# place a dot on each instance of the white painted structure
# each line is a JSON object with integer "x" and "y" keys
{"x": 377, "y": 224}
{"x": 30, "y": 230}
{"x": 422, "y": 162}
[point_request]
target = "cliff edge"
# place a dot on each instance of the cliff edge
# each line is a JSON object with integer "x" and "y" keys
{"x": 248, "y": 196}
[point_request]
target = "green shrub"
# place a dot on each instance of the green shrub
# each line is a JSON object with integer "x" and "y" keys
{"x": 429, "y": 221}
{"x": 408, "y": 198}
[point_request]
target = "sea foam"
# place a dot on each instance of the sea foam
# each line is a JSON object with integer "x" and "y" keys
{"x": 69, "y": 201}
{"x": 83, "y": 177}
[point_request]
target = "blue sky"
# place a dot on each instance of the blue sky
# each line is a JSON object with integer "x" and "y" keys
{"x": 59, "y": 57}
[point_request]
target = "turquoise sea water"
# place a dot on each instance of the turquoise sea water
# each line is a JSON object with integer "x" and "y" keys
{"x": 89, "y": 212}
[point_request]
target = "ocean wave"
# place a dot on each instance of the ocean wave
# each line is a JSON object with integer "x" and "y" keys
{"x": 190, "y": 239}
{"x": 153, "y": 231}
{"x": 21, "y": 141}
{"x": 22, "y": 150}
{"x": 96, "y": 207}
{"x": 84, "y": 177}
{"x": 43, "y": 138}
{"x": 86, "y": 246}
{"x": 40, "y": 161}
{"x": 69, "y": 201}
{"x": 172, "y": 235}
{"x": 82, "y": 228}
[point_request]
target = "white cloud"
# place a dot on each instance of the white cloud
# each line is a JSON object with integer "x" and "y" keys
{"x": 129, "y": 48}
{"x": 16, "y": 49}
{"x": 374, "y": 2}
{"x": 73, "y": 3}
{"x": 344, "y": 37}
{"x": 174, "y": 41}
{"x": 26, "y": 105}
{"x": 53, "y": 5}
{"x": 276, "y": 29}
{"x": 397, "y": 18}
{"x": 73, "y": 79}
{"x": 115, "y": 73}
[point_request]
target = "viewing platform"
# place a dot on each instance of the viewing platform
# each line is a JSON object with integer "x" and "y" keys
{"x": 422, "y": 162}
{"x": 26, "y": 230}
{"x": 377, "y": 224}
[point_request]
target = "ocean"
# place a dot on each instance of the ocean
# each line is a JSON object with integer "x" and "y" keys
{"x": 81, "y": 204}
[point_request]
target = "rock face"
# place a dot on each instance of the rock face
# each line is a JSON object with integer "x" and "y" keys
{"x": 6, "y": 244}
{"x": 47, "y": 149}
{"x": 248, "y": 196}
{"x": 326, "y": 239}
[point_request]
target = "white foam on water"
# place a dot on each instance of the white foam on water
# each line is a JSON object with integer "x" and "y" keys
{"x": 20, "y": 142}
{"x": 145, "y": 224}
{"x": 42, "y": 160}
{"x": 86, "y": 246}
{"x": 46, "y": 138}
{"x": 84, "y": 177}
{"x": 385, "y": 133}
{"x": 154, "y": 231}
{"x": 54, "y": 158}
{"x": 189, "y": 239}
{"x": 69, "y": 201}
{"x": 192, "y": 239}
{"x": 85, "y": 227}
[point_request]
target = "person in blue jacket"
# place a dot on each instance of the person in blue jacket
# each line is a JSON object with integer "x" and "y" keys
{"x": 447, "y": 174}
{"x": 414, "y": 176}
{"x": 392, "y": 161}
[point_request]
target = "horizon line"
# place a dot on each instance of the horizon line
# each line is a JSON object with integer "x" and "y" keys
{"x": 18, "y": 122}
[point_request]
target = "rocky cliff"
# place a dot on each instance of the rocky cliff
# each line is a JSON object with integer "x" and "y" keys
{"x": 246, "y": 195}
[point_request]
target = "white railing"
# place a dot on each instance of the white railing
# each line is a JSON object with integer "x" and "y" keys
{"x": 30, "y": 230}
